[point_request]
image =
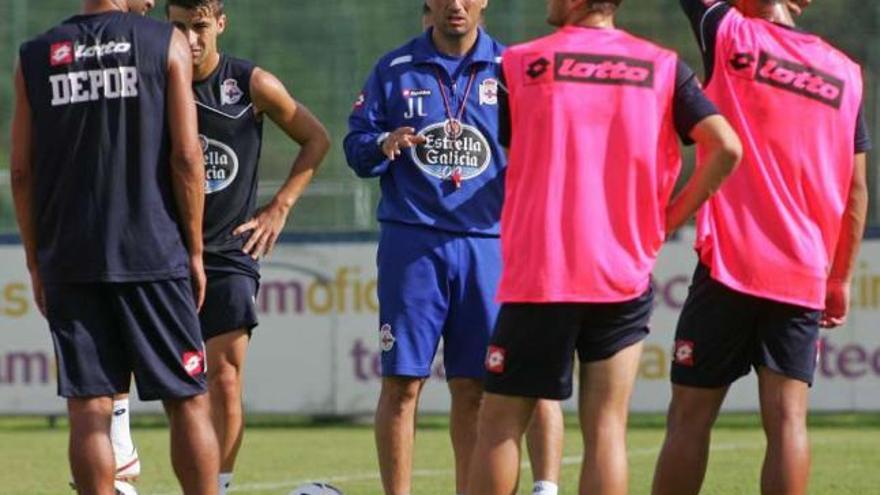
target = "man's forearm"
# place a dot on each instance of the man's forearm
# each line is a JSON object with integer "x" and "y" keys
{"x": 303, "y": 170}
{"x": 723, "y": 155}
{"x": 21, "y": 169}
{"x": 705, "y": 182}
{"x": 22, "y": 195}
{"x": 851, "y": 232}
{"x": 188, "y": 180}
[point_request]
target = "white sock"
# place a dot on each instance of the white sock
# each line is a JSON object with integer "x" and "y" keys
{"x": 120, "y": 431}
{"x": 545, "y": 488}
{"x": 225, "y": 482}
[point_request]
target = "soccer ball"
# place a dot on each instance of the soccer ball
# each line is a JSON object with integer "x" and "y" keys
{"x": 316, "y": 489}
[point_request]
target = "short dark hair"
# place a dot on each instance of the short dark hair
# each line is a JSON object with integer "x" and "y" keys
{"x": 216, "y": 6}
{"x": 426, "y": 9}
{"x": 604, "y": 5}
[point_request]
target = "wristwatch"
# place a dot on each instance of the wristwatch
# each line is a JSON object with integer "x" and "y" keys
{"x": 381, "y": 139}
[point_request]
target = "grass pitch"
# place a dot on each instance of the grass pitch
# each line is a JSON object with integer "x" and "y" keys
{"x": 280, "y": 453}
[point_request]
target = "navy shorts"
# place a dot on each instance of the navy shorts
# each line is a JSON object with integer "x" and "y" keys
{"x": 723, "y": 333}
{"x": 230, "y": 304}
{"x": 104, "y": 332}
{"x": 435, "y": 284}
{"x": 532, "y": 351}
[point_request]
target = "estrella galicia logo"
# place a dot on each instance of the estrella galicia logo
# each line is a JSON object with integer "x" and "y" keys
{"x": 221, "y": 165}
{"x": 441, "y": 155}
{"x": 604, "y": 69}
{"x": 537, "y": 68}
{"x": 800, "y": 79}
{"x": 742, "y": 61}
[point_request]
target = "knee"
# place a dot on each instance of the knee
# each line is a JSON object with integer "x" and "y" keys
{"x": 609, "y": 426}
{"x": 466, "y": 394}
{"x": 548, "y": 412}
{"x": 190, "y": 407}
{"x": 97, "y": 406}
{"x": 690, "y": 419}
{"x": 496, "y": 429}
{"x": 602, "y": 419}
{"x": 503, "y": 417}
{"x": 785, "y": 418}
{"x": 401, "y": 392}
{"x": 94, "y": 411}
{"x": 224, "y": 382}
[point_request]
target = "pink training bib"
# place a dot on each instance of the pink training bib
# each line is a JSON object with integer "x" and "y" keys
{"x": 772, "y": 229}
{"x": 593, "y": 161}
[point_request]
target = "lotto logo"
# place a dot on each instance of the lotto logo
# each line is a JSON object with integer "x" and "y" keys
{"x": 684, "y": 353}
{"x": 193, "y": 363}
{"x": 742, "y": 61}
{"x": 99, "y": 50}
{"x": 61, "y": 54}
{"x": 415, "y": 93}
{"x": 537, "y": 68}
{"x": 65, "y": 52}
{"x": 604, "y": 69}
{"x": 495, "y": 359}
{"x": 359, "y": 102}
{"x": 800, "y": 79}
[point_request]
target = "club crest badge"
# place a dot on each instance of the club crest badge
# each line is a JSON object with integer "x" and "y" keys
{"x": 386, "y": 338}
{"x": 230, "y": 93}
{"x": 489, "y": 92}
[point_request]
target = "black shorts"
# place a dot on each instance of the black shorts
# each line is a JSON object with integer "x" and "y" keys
{"x": 230, "y": 304}
{"x": 723, "y": 333}
{"x": 104, "y": 332}
{"x": 532, "y": 351}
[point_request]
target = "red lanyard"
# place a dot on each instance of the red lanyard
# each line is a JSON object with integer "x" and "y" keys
{"x": 452, "y": 127}
{"x": 455, "y": 120}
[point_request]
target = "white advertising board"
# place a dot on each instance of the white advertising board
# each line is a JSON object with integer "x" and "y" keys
{"x": 316, "y": 350}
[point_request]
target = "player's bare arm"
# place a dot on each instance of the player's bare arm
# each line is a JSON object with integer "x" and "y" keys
{"x": 851, "y": 232}
{"x": 272, "y": 99}
{"x": 724, "y": 154}
{"x": 187, "y": 161}
{"x": 21, "y": 178}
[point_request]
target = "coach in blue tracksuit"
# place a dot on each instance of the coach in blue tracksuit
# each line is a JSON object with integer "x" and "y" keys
{"x": 426, "y": 124}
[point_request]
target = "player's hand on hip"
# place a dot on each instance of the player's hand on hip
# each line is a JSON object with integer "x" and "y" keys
{"x": 265, "y": 228}
{"x": 198, "y": 279}
{"x": 39, "y": 292}
{"x": 836, "y": 305}
{"x": 397, "y": 141}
